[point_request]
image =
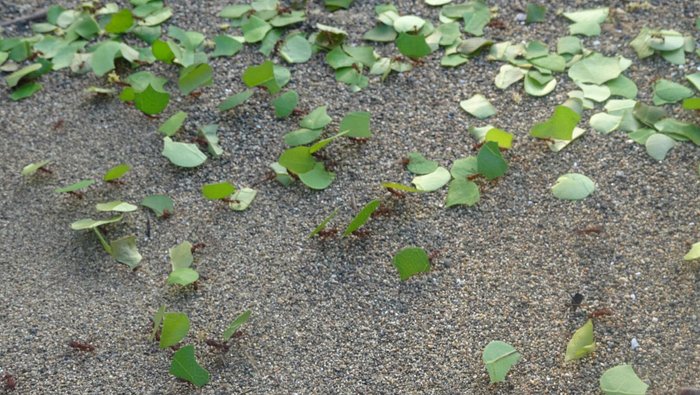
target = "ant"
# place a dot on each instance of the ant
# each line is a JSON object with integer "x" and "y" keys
{"x": 382, "y": 211}
{"x": 58, "y": 124}
{"x": 283, "y": 10}
{"x": 359, "y": 140}
{"x": 576, "y": 300}
{"x": 77, "y": 194}
{"x": 200, "y": 140}
{"x": 45, "y": 170}
{"x": 81, "y": 346}
{"x": 196, "y": 94}
{"x": 269, "y": 176}
{"x": 590, "y": 229}
{"x": 10, "y": 381}
{"x": 497, "y": 24}
{"x": 405, "y": 161}
{"x": 396, "y": 193}
{"x": 197, "y": 246}
{"x": 434, "y": 255}
{"x": 327, "y": 233}
{"x": 361, "y": 233}
{"x": 299, "y": 112}
{"x": 166, "y": 214}
{"x": 604, "y": 312}
{"x": 221, "y": 346}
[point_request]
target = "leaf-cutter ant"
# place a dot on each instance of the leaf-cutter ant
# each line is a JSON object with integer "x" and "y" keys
{"x": 497, "y": 24}
{"x": 396, "y": 193}
{"x": 361, "y": 233}
{"x": 81, "y": 346}
{"x": 166, "y": 214}
{"x": 590, "y": 230}
{"x": 382, "y": 211}
{"x": 10, "y": 381}
{"x": 603, "y": 312}
{"x": 221, "y": 346}
{"x": 359, "y": 140}
{"x": 327, "y": 233}
{"x": 197, "y": 246}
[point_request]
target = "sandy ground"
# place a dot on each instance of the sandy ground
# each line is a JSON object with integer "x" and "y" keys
{"x": 332, "y": 316}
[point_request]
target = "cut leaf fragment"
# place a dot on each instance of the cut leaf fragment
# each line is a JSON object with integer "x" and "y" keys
{"x": 185, "y": 367}
{"x": 362, "y": 217}
{"x": 432, "y": 181}
{"x": 622, "y": 380}
{"x": 182, "y": 154}
{"x": 478, "y": 106}
{"x": 499, "y": 357}
{"x": 582, "y": 342}
{"x": 573, "y": 186}
{"x": 236, "y": 324}
{"x": 411, "y": 261}
{"x": 175, "y": 328}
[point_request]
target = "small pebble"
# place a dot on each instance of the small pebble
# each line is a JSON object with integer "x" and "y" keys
{"x": 634, "y": 344}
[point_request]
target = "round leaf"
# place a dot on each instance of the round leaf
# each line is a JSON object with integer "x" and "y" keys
{"x": 183, "y": 276}
{"x": 573, "y": 186}
{"x": 317, "y": 178}
{"x": 462, "y": 191}
{"x": 658, "y": 145}
{"x": 218, "y": 190}
{"x": 296, "y": 49}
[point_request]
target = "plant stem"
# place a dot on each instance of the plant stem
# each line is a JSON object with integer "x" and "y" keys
{"x": 104, "y": 243}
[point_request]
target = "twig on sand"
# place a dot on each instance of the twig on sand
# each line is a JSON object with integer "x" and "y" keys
{"x": 27, "y": 18}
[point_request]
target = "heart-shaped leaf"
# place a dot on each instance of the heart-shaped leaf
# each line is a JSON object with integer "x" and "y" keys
{"x": 621, "y": 380}
{"x": 573, "y": 186}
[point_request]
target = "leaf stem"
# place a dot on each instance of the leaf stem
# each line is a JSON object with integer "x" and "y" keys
{"x": 104, "y": 243}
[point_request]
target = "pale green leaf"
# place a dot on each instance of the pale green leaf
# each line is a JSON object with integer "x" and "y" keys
{"x": 478, "y": 106}
{"x": 181, "y": 255}
{"x": 573, "y": 186}
{"x": 621, "y": 380}
{"x": 242, "y": 199}
{"x": 462, "y": 191}
{"x": 185, "y": 367}
{"x": 658, "y": 145}
{"x": 124, "y": 250}
{"x": 182, "y": 154}
{"x": 183, "y": 276}
{"x": 432, "y": 181}
{"x": 418, "y": 164}
{"x": 582, "y": 342}
{"x": 233, "y": 327}
{"x": 173, "y": 124}
{"x": 116, "y": 205}
{"x": 499, "y": 357}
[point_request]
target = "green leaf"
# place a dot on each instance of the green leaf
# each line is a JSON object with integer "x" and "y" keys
{"x": 325, "y": 222}
{"x": 432, "y": 181}
{"x": 658, "y": 145}
{"x": 226, "y": 46}
{"x": 161, "y": 51}
{"x": 408, "y": 24}
{"x": 464, "y": 167}
{"x": 25, "y": 91}
{"x": 622, "y": 86}
{"x": 490, "y": 162}
{"x": 381, "y": 33}
{"x": 596, "y": 69}
{"x": 218, "y": 191}
{"x": 621, "y": 380}
{"x": 535, "y": 13}
{"x": 605, "y": 123}
{"x": 242, "y": 199}
{"x": 185, "y": 367}
{"x": 500, "y": 137}
{"x": 235, "y": 11}
{"x": 499, "y": 357}
{"x": 233, "y": 327}
{"x": 648, "y": 115}
{"x": 316, "y": 119}
{"x": 411, "y": 261}
{"x": 86, "y": 27}
{"x": 120, "y": 22}
{"x": 157, "y": 320}
{"x": 89, "y": 223}
{"x": 124, "y": 250}
{"x": 537, "y": 88}
{"x": 160, "y": 204}
{"x": 116, "y": 205}
{"x": 476, "y": 18}
{"x": 573, "y": 186}
{"x": 666, "y": 92}
{"x": 13, "y": 79}
{"x": 301, "y": 137}
{"x": 412, "y": 45}
{"x": 296, "y": 49}
{"x": 418, "y": 164}
{"x": 694, "y": 252}
{"x": 183, "y": 276}
{"x": 182, "y": 154}
{"x": 297, "y": 160}
{"x": 478, "y": 106}
{"x": 82, "y": 184}
{"x": 194, "y": 77}
{"x": 158, "y": 17}
{"x": 208, "y": 132}
{"x": 362, "y": 217}
{"x": 235, "y": 100}
{"x": 692, "y": 103}
{"x": 462, "y": 191}
{"x": 317, "y": 178}
{"x": 582, "y": 342}
{"x": 508, "y": 75}
{"x": 357, "y": 123}
{"x": 102, "y": 59}
{"x": 173, "y": 124}
{"x": 181, "y": 256}
{"x": 262, "y": 74}
{"x": 559, "y": 126}
{"x": 116, "y": 172}
{"x": 32, "y": 168}
{"x": 151, "y": 101}
{"x": 285, "y": 104}
{"x": 288, "y": 18}
{"x": 255, "y": 29}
